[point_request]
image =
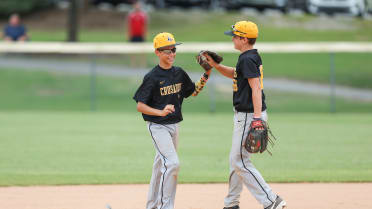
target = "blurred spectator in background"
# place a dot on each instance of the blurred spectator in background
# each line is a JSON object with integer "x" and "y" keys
{"x": 137, "y": 27}
{"x": 14, "y": 30}
{"x": 137, "y": 23}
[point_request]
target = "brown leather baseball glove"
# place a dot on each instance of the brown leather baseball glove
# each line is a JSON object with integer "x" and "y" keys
{"x": 201, "y": 59}
{"x": 258, "y": 137}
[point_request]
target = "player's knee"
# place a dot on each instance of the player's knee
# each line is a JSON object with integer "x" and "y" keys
{"x": 174, "y": 166}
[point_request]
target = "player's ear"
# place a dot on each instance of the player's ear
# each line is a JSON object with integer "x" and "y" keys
{"x": 157, "y": 52}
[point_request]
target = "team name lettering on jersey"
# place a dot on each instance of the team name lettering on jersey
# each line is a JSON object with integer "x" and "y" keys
{"x": 171, "y": 89}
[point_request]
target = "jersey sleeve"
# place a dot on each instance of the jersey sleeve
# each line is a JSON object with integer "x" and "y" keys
{"x": 249, "y": 69}
{"x": 188, "y": 86}
{"x": 144, "y": 92}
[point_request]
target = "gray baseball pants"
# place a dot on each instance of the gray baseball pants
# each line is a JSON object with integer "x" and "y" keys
{"x": 242, "y": 171}
{"x": 163, "y": 183}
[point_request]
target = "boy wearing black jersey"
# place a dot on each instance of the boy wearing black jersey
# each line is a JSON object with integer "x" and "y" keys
{"x": 159, "y": 99}
{"x": 249, "y": 104}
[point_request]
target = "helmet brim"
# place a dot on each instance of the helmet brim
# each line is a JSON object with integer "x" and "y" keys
{"x": 169, "y": 45}
{"x": 229, "y": 33}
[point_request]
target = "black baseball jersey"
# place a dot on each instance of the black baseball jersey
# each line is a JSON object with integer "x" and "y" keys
{"x": 161, "y": 87}
{"x": 248, "y": 66}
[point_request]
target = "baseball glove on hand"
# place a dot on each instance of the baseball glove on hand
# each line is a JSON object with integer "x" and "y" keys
{"x": 201, "y": 59}
{"x": 258, "y": 137}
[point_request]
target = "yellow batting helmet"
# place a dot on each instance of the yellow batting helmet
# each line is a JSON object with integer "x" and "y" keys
{"x": 246, "y": 29}
{"x": 164, "y": 39}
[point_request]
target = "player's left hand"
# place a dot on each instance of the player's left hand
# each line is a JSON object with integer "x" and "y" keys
{"x": 258, "y": 137}
{"x": 257, "y": 124}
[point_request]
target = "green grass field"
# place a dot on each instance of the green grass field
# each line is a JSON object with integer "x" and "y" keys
{"x": 209, "y": 26}
{"x": 54, "y": 148}
{"x": 22, "y": 90}
{"x": 351, "y": 69}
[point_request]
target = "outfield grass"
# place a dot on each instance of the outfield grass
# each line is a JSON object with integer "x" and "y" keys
{"x": 25, "y": 90}
{"x": 55, "y": 148}
{"x": 351, "y": 69}
{"x": 209, "y": 26}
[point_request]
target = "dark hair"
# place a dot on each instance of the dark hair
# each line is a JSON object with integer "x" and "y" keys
{"x": 251, "y": 41}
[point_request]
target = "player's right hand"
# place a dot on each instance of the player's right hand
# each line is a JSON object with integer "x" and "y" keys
{"x": 210, "y": 60}
{"x": 168, "y": 109}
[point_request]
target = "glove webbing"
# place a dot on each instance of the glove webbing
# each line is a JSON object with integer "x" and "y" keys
{"x": 270, "y": 140}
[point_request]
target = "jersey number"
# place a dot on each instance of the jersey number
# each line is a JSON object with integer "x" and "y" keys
{"x": 235, "y": 82}
{"x": 261, "y": 78}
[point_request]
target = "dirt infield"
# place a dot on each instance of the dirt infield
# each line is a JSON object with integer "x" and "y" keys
{"x": 189, "y": 196}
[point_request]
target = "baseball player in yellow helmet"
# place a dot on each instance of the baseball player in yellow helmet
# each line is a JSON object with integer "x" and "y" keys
{"x": 159, "y": 98}
{"x": 250, "y": 112}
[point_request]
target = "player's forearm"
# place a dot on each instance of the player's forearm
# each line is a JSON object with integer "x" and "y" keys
{"x": 254, "y": 83}
{"x": 225, "y": 70}
{"x": 145, "y": 109}
{"x": 199, "y": 85}
{"x": 257, "y": 102}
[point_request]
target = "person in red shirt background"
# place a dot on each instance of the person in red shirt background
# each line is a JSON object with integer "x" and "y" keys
{"x": 137, "y": 23}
